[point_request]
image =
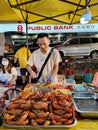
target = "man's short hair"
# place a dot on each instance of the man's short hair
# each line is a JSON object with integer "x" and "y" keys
{"x": 41, "y": 35}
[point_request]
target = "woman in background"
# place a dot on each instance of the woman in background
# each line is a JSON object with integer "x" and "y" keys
{"x": 10, "y": 74}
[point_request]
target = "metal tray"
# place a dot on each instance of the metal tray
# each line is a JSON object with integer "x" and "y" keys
{"x": 80, "y": 88}
{"x": 86, "y": 107}
{"x": 85, "y": 88}
{"x": 40, "y": 126}
{"x": 83, "y": 95}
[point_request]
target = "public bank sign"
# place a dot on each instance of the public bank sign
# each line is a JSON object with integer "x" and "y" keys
{"x": 38, "y": 28}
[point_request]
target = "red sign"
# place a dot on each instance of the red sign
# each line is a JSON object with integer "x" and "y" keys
{"x": 20, "y": 28}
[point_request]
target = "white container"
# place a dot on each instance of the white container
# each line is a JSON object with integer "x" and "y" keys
{"x": 70, "y": 82}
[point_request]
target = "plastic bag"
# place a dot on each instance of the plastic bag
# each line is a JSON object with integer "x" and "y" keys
{"x": 95, "y": 80}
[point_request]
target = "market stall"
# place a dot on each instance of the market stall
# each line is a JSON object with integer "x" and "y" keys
{"x": 82, "y": 120}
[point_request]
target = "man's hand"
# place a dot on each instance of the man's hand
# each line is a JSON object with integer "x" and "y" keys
{"x": 33, "y": 75}
{"x": 50, "y": 79}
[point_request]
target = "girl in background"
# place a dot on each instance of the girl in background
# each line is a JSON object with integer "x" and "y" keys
{"x": 10, "y": 74}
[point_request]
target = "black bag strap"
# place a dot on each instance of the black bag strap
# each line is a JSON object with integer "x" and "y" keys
{"x": 40, "y": 73}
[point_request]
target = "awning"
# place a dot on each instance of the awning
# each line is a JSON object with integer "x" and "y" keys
{"x": 47, "y": 11}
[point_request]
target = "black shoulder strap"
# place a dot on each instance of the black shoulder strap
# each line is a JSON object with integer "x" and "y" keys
{"x": 40, "y": 73}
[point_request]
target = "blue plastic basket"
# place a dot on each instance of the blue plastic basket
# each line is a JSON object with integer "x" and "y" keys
{"x": 87, "y": 78}
{"x": 69, "y": 76}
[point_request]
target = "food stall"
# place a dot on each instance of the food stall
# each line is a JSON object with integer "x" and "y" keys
{"x": 37, "y": 96}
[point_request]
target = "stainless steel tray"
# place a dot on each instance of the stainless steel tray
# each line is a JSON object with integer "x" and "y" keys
{"x": 80, "y": 88}
{"x": 40, "y": 126}
{"x": 83, "y": 95}
{"x": 85, "y": 88}
{"x": 86, "y": 107}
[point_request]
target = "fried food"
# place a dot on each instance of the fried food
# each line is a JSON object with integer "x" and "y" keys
{"x": 40, "y": 108}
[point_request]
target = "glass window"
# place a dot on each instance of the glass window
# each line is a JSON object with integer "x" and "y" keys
{"x": 85, "y": 40}
{"x": 74, "y": 41}
{"x": 94, "y": 40}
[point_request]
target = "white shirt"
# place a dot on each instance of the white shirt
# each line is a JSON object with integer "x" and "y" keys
{"x": 9, "y": 76}
{"x": 38, "y": 58}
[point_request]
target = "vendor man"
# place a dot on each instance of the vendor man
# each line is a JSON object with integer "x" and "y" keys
{"x": 38, "y": 57}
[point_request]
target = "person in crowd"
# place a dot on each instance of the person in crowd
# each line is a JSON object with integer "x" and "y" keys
{"x": 8, "y": 47}
{"x": 9, "y": 76}
{"x": 22, "y": 55}
{"x": 2, "y": 77}
{"x": 38, "y": 57}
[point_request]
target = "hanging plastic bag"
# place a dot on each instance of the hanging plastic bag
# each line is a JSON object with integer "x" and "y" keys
{"x": 95, "y": 80}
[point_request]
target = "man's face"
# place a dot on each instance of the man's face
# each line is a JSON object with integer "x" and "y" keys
{"x": 43, "y": 44}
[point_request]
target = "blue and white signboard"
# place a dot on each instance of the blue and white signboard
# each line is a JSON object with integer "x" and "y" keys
{"x": 38, "y": 28}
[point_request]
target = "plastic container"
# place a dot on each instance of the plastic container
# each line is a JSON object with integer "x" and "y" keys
{"x": 69, "y": 76}
{"x": 70, "y": 82}
{"x": 87, "y": 78}
{"x": 4, "y": 82}
{"x": 95, "y": 80}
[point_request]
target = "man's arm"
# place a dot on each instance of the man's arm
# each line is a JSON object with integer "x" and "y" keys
{"x": 32, "y": 73}
{"x": 54, "y": 73}
{"x": 15, "y": 59}
{"x": 55, "y": 70}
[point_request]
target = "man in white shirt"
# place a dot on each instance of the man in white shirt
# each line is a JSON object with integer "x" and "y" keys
{"x": 38, "y": 58}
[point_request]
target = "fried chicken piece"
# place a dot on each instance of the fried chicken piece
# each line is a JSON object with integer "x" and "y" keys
{"x": 26, "y": 105}
{"x": 15, "y": 112}
{"x": 59, "y": 112}
{"x": 11, "y": 122}
{"x": 41, "y": 105}
{"x": 56, "y": 105}
{"x": 69, "y": 122}
{"x": 25, "y": 95}
{"x": 43, "y": 114}
{"x": 34, "y": 123}
{"x": 24, "y": 122}
{"x": 23, "y": 119}
{"x": 8, "y": 116}
{"x": 31, "y": 115}
{"x": 56, "y": 123}
{"x": 46, "y": 123}
{"x": 13, "y": 106}
{"x": 46, "y": 96}
{"x": 40, "y": 121}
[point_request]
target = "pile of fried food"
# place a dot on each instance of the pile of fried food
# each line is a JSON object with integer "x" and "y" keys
{"x": 32, "y": 87}
{"x": 40, "y": 108}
